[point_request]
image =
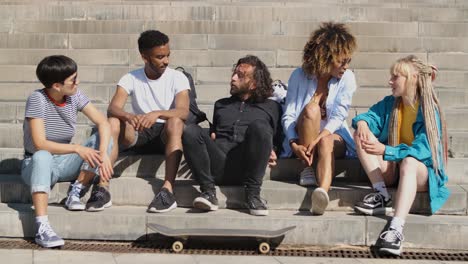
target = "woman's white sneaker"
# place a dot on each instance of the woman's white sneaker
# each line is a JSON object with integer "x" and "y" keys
{"x": 320, "y": 201}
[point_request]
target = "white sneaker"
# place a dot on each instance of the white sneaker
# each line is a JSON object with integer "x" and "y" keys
{"x": 307, "y": 177}
{"x": 320, "y": 201}
{"x": 73, "y": 202}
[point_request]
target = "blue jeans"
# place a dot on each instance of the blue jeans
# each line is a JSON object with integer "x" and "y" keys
{"x": 43, "y": 169}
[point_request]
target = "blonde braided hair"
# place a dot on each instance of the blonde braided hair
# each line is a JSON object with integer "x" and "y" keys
{"x": 421, "y": 88}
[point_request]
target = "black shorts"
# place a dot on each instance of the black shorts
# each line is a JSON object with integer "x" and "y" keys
{"x": 151, "y": 140}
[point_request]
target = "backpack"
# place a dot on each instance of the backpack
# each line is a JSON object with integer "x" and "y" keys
{"x": 195, "y": 114}
{"x": 279, "y": 92}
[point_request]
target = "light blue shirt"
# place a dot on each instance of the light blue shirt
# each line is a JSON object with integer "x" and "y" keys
{"x": 300, "y": 91}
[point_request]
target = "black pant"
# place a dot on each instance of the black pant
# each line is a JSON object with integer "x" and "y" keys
{"x": 224, "y": 162}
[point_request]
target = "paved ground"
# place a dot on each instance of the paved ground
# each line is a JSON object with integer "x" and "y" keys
{"x": 28, "y": 256}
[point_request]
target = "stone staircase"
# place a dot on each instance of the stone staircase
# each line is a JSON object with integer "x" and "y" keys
{"x": 207, "y": 38}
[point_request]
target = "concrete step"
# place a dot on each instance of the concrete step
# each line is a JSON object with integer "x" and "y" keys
{"x": 207, "y": 94}
{"x": 365, "y": 97}
{"x": 290, "y": 28}
{"x": 379, "y": 77}
{"x": 369, "y": 78}
{"x": 138, "y": 26}
{"x": 191, "y": 58}
{"x": 233, "y": 11}
{"x": 94, "y": 74}
{"x": 280, "y": 195}
{"x": 224, "y": 42}
{"x": 12, "y": 100}
{"x": 13, "y": 112}
{"x": 103, "y": 92}
{"x": 455, "y": 118}
{"x": 396, "y": 29}
{"x": 458, "y": 144}
{"x": 12, "y": 117}
{"x": 366, "y": 43}
{"x": 360, "y": 60}
{"x": 331, "y": 229}
{"x": 351, "y": 171}
{"x": 153, "y": 166}
{"x": 281, "y": 3}
{"x": 364, "y": 77}
{"x": 223, "y": 58}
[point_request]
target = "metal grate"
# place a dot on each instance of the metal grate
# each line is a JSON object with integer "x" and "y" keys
{"x": 150, "y": 246}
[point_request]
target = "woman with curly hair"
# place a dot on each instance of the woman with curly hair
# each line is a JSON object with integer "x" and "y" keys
{"x": 402, "y": 140}
{"x": 319, "y": 96}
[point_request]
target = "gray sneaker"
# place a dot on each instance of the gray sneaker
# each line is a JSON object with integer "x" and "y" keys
{"x": 207, "y": 201}
{"x": 100, "y": 199}
{"x": 257, "y": 205}
{"x": 163, "y": 202}
{"x": 73, "y": 202}
{"x": 46, "y": 237}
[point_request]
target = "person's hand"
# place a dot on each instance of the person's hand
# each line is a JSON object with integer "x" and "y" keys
{"x": 133, "y": 120}
{"x": 105, "y": 169}
{"x": 147, "y": 120}
{"x": 213, "y": 136}
{"x": 363, "y": 132}
{"x": 301, "y": 152}
{"x": 91, "y": 156}
{"x": 310, "y": 148}
{"x": 373, "y": 147}
{"x": 273, "y": 158}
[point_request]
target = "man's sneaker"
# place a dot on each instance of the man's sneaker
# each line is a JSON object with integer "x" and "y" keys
{"x": 257, "y": 206}
{"x": 374, "y": 204}
{"x": 46, "y": 237}
{"x": 307, "y": 177}
{"x": 100, "y": 199}
{"x": 163, "y": 202}
{"x": 390, "y": 242}
{"x": 207, "y": 201}
{"x": 73, "y": 202}
{"x": 320, "y": 201}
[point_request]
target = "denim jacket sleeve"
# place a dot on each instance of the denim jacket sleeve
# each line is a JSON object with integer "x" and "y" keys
{"x": 419, "y": 149}
{"x": 376, "y": 117}
{"x": 344, "y": 96}
{"x": 290, "y": 114}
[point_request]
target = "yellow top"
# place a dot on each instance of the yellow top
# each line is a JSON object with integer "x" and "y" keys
{"x": 407, "y": 118}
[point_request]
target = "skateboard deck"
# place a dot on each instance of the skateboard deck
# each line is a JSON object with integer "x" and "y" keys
{"x": 181, "y": 235}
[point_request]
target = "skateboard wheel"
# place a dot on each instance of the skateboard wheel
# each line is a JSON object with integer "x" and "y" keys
{"x": 177, "y": 246}
{"x": 264, "y": 248}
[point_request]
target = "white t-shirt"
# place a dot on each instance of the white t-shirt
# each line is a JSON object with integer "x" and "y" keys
{"x": 151, "y": 95}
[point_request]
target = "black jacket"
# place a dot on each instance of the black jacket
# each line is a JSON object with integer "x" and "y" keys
{"x": 232, "y": 117}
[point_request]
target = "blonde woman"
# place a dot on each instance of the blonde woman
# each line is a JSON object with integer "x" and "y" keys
{"x": 319, "y": 96}
{"x": 403, "y": 139}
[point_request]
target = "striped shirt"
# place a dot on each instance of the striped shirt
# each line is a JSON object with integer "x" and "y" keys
{"x": 59, "y": 119}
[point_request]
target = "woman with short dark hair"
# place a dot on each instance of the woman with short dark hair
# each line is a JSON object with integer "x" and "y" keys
{"x": 49, "y": 125}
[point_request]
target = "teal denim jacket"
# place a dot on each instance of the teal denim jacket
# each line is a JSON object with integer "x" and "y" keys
{"x": 378, "y": 119}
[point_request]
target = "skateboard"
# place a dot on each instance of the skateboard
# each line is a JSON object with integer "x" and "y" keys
{"x": 264, "y": 238}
